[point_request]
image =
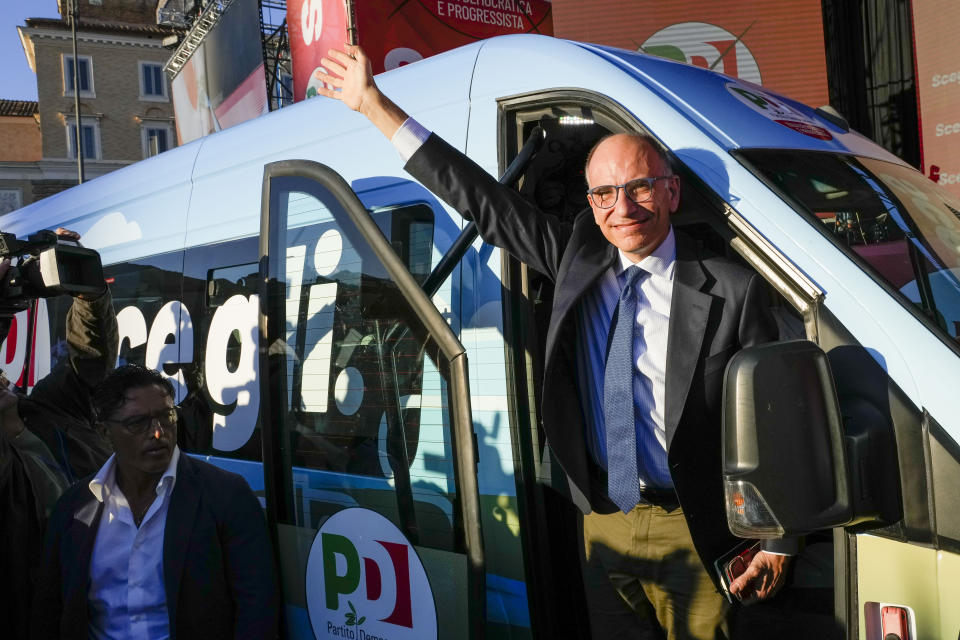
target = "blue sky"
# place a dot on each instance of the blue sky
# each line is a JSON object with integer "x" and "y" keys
{"x": 17, "y": 81}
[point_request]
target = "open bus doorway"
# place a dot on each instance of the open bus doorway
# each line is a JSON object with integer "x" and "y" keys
{"x": 555, "y": 181}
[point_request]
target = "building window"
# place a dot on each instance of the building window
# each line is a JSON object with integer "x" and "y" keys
{"x": 10, "y": 200}
{"x": 156, "y": 138}
{"x": 153, "y": 85}
{"x": 85, "y": 70}
{"x": 90, "y": 134}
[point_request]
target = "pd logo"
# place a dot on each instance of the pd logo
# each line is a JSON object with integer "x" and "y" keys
{"x": 705, "y": 45}
{"x": 366, "y": 582}
{"x": 777, "y": 110}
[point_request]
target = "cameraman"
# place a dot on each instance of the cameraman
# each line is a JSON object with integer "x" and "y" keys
{"x": 48, "y": 442}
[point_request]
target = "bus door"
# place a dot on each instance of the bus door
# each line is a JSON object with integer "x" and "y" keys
{"x": 358, "y": 370}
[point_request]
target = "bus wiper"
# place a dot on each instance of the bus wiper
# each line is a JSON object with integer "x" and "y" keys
{"x": 463, "y": 242}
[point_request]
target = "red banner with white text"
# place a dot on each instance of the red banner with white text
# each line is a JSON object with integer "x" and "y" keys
{"x": 398, "y": 32}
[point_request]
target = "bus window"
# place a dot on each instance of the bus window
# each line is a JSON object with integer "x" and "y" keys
{"x": 225, "y": 282}
{"x": 410, "y": 231}
{"x": 364, "y": 394}
{"x": 894, "y": 222}
{"x": 221, "y": 408}
{"x": 140, "y": 290}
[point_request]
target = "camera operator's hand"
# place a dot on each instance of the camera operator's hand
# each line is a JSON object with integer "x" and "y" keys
{"x": 67, "y": 234}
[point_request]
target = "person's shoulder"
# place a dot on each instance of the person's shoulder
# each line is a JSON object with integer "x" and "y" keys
{"x": 79, "y": 490}
{"x": 74, "y": 501}
{"x": 212, "y": 479}
{"x": 226, "y": 493}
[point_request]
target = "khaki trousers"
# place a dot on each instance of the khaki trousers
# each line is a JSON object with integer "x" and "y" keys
{"x": 643, "y": 578}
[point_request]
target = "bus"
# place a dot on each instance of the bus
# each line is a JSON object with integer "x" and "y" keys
{"x": 341, "y": 339}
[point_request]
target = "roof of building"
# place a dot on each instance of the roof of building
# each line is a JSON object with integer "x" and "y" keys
{"x": 103, "y": 26}
{"x": 24, "y": 108}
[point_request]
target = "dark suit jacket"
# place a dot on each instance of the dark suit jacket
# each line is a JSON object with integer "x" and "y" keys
{"x": 217, "y": 561}
{"x": 717, "y": 308}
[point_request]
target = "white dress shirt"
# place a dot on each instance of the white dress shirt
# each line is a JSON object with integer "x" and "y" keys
{"x": 654, "y": 295}
{"x": 127, "y": 598}
{"x": 408, "y": 138}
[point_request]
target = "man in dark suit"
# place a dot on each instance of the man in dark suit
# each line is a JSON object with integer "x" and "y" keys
{"x": 637, "y": 432}
{"x": 156, "y": 544}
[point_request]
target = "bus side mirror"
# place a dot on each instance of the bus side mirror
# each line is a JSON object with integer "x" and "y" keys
{"x": 784, "y": 467}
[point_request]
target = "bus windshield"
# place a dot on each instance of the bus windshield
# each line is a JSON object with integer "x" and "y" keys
{"x": 903, "y": 227}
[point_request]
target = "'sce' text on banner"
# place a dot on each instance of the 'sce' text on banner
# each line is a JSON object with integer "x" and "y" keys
{"x": 936, "y": 23}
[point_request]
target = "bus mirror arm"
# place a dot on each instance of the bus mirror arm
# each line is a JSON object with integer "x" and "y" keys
{"x": 463, "y": 242}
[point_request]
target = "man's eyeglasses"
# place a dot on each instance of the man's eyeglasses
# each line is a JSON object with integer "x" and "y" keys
{"x": 137, "y": 425}
{"x": 639, "y": 190}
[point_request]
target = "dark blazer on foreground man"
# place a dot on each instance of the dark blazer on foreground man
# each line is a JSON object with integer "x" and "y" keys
{"x": 218, "y": 572}
{"x": 717, "y": 308}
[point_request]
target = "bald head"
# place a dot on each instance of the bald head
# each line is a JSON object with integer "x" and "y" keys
{"x": 641, "y": 140}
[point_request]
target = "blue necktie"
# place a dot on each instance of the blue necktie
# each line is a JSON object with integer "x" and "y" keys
{"x": 623, "y": 485}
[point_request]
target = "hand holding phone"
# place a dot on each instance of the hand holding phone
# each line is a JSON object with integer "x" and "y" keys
{"x": 762, "y": 578}
{"x": 734, "y": 564}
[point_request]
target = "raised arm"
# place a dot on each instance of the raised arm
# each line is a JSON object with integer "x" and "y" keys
{"x": 503, "y": 217}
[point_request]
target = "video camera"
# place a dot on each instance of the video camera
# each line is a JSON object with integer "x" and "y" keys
{"x": 46, "y": 267}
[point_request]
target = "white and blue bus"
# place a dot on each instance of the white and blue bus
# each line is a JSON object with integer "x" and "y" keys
{"x": 372, "y": 369}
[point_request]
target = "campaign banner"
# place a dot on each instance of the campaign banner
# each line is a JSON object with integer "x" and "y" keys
{"x": 937, "y": 50}
{"x": 314, "y": 27}
{"x": 398, "y": 32}
{"x": 776, "y": 44}
{"x": 223, "y": 83}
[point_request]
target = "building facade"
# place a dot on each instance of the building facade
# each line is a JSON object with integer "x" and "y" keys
{"x": 125, "y": 110}
{"x": 20, "y": 150}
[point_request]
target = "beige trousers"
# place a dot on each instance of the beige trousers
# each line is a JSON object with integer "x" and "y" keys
{"x": 643, "y": 578}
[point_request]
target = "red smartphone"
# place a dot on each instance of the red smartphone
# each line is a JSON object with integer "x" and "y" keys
{"x": 732, "y": 564}
{"x": 739, "y": 563}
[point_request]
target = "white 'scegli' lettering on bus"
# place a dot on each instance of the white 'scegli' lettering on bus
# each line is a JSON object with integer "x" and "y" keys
{"x": 237, "y": 317}
{"x": 171, "y": 342}
{"x": 132, "y": 327}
